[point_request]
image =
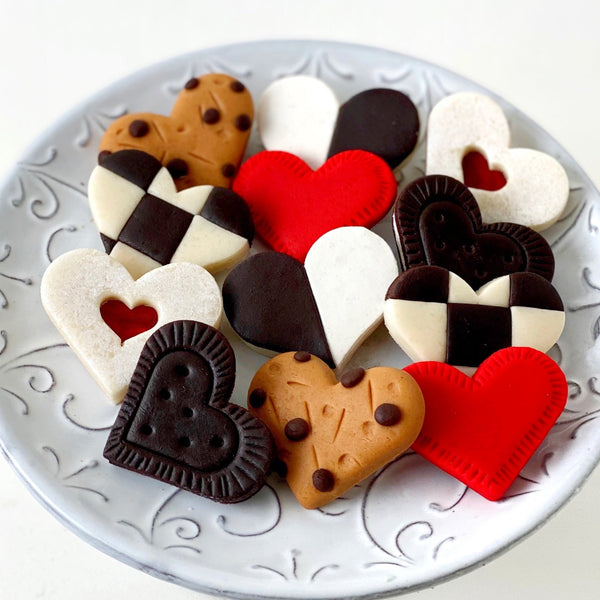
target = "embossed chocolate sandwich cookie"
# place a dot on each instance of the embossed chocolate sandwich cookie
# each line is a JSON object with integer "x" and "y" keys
{"x": 433, "y": 314}
{"x": 144, "y": 222}
{"x": 177, "y": 425}
{"x": 437, "y": 222}
{"x": 202, "y": 142}
{"x": 468, "y": 138}
{"x": 327, "y": 306}
{"x": 330, "y": 435}
{"x": 106, "y": 316}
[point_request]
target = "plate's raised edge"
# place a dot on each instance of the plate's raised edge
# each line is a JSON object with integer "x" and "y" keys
{"x": 140, "y": 74}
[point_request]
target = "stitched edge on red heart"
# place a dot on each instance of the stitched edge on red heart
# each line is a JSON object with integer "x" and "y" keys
{"x": 271, "y": 163}
{"x": 464, "y": 468}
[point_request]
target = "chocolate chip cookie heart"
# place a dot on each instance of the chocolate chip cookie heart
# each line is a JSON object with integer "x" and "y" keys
{"x": 433, "y": 314}
{"x": 177, "y": 425}
{"x": 437, "y": 222}
{"x": 327, "y": 306}
{"x": 483, "y": 430}
{"x": 330, "y": 435}
{"x": 202, "y": 142}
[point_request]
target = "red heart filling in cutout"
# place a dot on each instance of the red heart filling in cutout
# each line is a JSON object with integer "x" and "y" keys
{"x": 293, "y": 206}
{"x": 128, "y": 322}
{"x": 482, "y": 430}
{"x": 477, "y": 173}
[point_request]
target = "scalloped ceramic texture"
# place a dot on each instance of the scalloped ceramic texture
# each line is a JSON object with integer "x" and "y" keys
{"x": 268, "y": 547}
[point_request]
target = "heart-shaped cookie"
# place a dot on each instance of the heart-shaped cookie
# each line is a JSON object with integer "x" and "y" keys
{"x": 202, "y": 141}
{"x": 144, "y": 222}
{"x": 177, "y": 425}
{"x": 468, "y": 124}
{"x": 327, "y": 306}
{"x": 483, "y": 430}
{"x": 433, "y": 314}
{"x": 437, "y": 222}
{"x": 330, "y": 435}
{"x": 75, "y": 286}
{"x": 297, "y": 114}
{"x": 292, "y": 205}
{"x": 301, "y": 115}
{"x": 382, "y": 121}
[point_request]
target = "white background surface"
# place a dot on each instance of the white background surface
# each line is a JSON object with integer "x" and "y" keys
{"x": 543, "y": 56}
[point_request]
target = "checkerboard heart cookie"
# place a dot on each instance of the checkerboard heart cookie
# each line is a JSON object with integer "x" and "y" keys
{"x": 301, "y": 115}
{"x": 469, "y": 139}
{"x": 144, "y": 222}
{"x": 106, "y": 316}
{"x": 330, "y": 435}
{"x": 202, "y": 142}
{"x": 327, "y": 306}
{"x": 437, "y": 221}
{"x": 433, "y": 314}
{"x": 483, "y": 430}
{"x": 292, "y": 205}
{"x": 177, "y": 425}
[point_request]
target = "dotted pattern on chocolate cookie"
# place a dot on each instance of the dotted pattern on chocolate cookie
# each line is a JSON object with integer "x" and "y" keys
{"x": 437, "y": 222}
{"x": 177, "y": 425}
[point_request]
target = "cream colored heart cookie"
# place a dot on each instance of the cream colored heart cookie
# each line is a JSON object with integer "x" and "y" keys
{"x": 330, "y": 435}
{"x": 77, "y": 284}
{"x": 468, "y": 126}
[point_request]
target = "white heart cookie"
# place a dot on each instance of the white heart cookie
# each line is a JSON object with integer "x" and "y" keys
{"x": 349, "y": 270}
{"x": 77, "y": 283}
{"x": 537, "y": 187}
{"x": 433, "y": 314}
{"x": 297, "y": 114}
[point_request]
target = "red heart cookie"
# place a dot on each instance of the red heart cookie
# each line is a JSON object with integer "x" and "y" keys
{"x": 483, "y": 430}
{"x": 292, "y": 205}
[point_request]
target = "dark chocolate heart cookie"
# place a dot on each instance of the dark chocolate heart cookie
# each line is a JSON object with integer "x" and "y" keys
{"x": 177, "y": 425}
{"x": 269, "y": 303}
{"x": 382, "y": 121}
{"x": 437, "y": 222}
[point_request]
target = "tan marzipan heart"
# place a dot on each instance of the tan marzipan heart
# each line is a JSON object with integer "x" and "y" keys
{"x": 344, "y": 436}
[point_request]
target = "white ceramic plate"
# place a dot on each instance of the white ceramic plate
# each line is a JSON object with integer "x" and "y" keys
{"x": 406, "y": 527}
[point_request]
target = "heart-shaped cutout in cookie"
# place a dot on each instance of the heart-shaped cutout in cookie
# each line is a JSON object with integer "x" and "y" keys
{"x": 477, "y": 173}
{"x": 316, "y": 421}
{"x": 433, "y": 314}
{"x": 292, "y": 205}
{"x": 327, "y": 306}
{"x": 202, "y": 142}
{"x": 127, "y": 322}
{"x": 536, "y": 186}
{"x": 177, "y": 425}
{"x": 77, "y": 283}
{"x": 483, "y": 430}
{"x": 144, "y": 222}
{"x": 437, "y": 222}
